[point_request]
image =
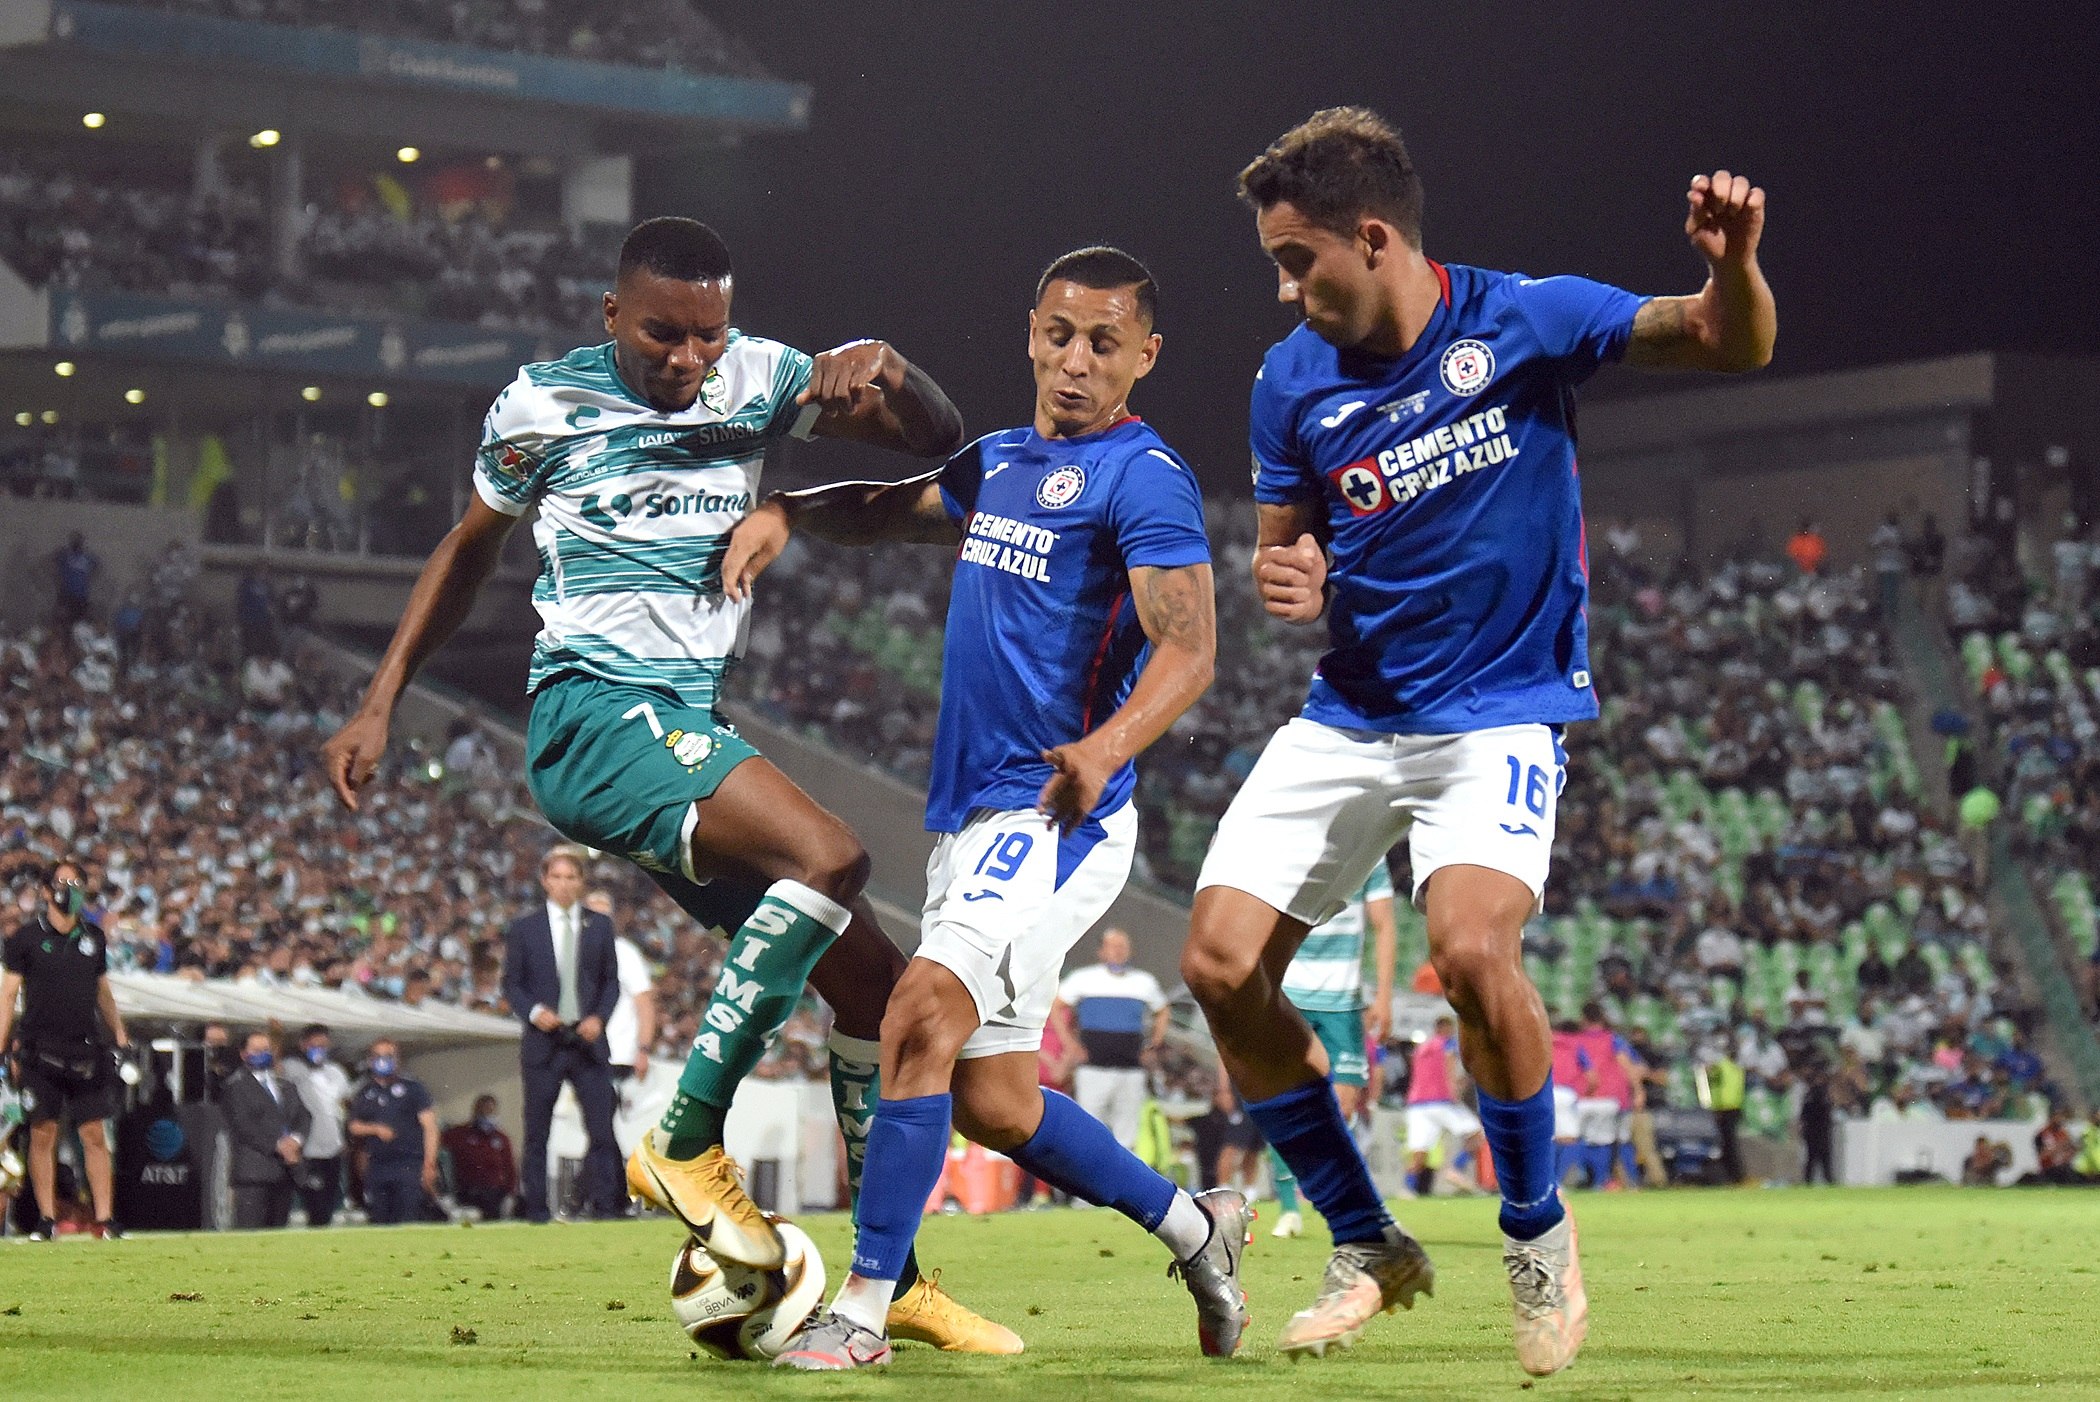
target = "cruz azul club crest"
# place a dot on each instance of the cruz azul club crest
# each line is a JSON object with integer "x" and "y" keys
{"x": 1467, "y": 366}
{"x": 1061, "y": 488}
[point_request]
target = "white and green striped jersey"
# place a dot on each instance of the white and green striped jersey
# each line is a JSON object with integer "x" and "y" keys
{"x": 635, "y": 507}
{"x": 1327, "y": 975}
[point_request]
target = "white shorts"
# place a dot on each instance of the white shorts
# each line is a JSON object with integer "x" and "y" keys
{"x": 1429, "y": 1122}
{"x": 1323, "y": 806}
{"x": 1602, "y": 1121}
{"x": 1000, "y": 919}
{"x": 1567, "y": 1123}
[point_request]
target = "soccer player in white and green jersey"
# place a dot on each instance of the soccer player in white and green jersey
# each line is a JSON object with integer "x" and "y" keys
{"x": 1325, "y": 983}
{"x": 640, "y": 455}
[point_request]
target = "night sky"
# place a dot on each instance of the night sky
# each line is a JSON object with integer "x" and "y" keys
{"x": 1934, "y": 176}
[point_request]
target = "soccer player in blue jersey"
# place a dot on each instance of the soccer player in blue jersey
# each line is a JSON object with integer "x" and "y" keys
{"x": 1080, "y": 626}
{"x": 639, "y": 455}
{"x": 1414, "y": 457}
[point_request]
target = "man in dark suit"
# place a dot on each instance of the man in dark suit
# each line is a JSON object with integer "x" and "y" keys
{"x": 267, "y": 1121}
{"x": 562, "y": 980}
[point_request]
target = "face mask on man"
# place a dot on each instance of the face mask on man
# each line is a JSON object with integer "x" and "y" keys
{"x": 315, "y": 1056}
{"x": 382, "y": 1066}
{"x": 69, "y": 897}
{"x": 259, "y": 1061}
{"x": 1117, "y": 967}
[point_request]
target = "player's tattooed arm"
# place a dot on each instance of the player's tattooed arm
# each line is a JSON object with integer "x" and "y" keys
{"x": 1732, "y": 322}
{"x": 1177, "y": 607}
{"x": 845, "y": 513}
{"x": 870, "y": 393}
{"x": 1290, "y": 563}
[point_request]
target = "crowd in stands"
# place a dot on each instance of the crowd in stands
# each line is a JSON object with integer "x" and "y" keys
{"x": 2028, "y": 633}
{"x": 1746, "y": 864}
{"x": 185, "y": 774}
{"x": 63, "y": 224}
{"x": 638, "y": 33}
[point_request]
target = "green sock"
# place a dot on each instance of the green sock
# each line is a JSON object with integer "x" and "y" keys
{"x": 856, "y": 1089}
{"x": 1286, "y": 1182}
{"x": 769, "y": 960}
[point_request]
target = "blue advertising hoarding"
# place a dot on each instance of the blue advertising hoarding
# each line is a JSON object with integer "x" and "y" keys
{"x": 293, "y": 339}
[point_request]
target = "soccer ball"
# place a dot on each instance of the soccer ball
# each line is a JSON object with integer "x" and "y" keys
{"x": 735, "y": 1311}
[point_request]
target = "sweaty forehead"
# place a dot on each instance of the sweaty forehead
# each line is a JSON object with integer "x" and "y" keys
{"x": 1090, "y": 307}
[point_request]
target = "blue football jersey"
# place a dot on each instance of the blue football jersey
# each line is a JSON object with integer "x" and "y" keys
{"x": 1043, "y": 642}
{"x": 1448, "y": 478}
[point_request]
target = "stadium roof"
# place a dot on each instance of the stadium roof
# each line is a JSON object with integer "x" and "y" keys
{"x": 167, "y": 1000}
{"x": 215, "y": 73}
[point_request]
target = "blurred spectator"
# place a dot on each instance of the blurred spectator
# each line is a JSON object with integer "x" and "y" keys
{"x": 255, "y": 610}
{"x": 392, "y": 1118}
{"x": 267, "y": 1122}
{"x": 324, "y": 1086}
{"x": 1117, "y": 1017}
{"x": 1984, "y": 1163}
{"x": 1807, "y": 548}
{"x": 76, "y": 566}
{"x": 1891, "y": 563}
{"x": 2055, "y": 1151}
{"x": 484, "y": 1170}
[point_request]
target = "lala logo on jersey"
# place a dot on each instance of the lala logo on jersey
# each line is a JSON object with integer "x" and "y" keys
{"x": 1061, "y": 488}
{"x": 1467, "y": 366}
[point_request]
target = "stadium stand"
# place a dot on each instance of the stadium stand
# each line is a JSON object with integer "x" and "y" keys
{"x": 185, "y": 775}
{"x": 652, "y": 34}
{"x": 120, "y": 219}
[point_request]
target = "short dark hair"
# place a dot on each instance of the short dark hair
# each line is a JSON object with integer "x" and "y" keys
{"x": 1100, "y": 266}
{"x": 1337, "y": 166}
{"x": 314, "y": 1029}
{"x": 685, "y": 249}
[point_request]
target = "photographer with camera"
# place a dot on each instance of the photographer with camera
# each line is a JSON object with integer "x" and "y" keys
{"x": 58, "y": 964}
{"x": 562, "y": 980}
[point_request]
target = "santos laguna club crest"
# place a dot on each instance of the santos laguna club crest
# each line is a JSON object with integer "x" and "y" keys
{"x": 1060, "y": 488}
{"x": 689, "y": 747}
{"x": 1467, "y": 366}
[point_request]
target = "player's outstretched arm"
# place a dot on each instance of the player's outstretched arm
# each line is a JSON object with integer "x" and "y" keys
{"x": 443, "y": 597}
{"x": 1178, "y": 609}
{"x": 870, "y": 393}
{"x": 1385, "y": 935}
{"x": 1732, "y": 322}
{"x": 1290, "y": 564}
{"x": 844, "y": 513}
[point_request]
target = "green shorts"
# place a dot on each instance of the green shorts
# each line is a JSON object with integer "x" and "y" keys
{"x": 619, "y": 767}
{"x": 1342, "y": 1033}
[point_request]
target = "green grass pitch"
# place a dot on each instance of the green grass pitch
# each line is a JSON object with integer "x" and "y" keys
{"x": 1889, "y": 1293}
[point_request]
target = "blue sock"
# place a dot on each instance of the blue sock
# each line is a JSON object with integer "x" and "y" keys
{"x": 1563, "y": 1157}
{"x": 1304, "y": 1126}
{"x": 907, "y": 1148}
{"x": 1075, "y": 1153}
{"x": 1596, "y": 1164}
{"x": 1520, "y": 1135}
{"x": 1630, "y": 1164}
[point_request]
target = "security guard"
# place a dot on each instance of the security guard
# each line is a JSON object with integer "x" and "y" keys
{"x": 59, "y": 963}
{"x": 395, "y": 1124}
